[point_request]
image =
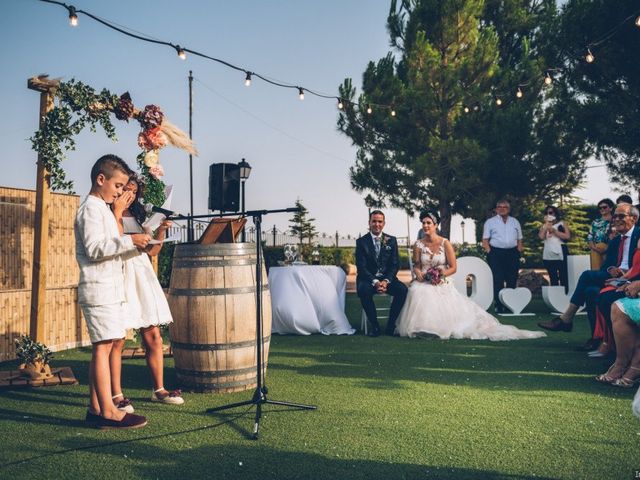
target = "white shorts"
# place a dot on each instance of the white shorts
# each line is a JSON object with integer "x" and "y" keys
{"x": 105, "y": 322}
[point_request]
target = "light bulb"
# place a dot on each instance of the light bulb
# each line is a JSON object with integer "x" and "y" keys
{"x": 340, "y": 104}
{"x": 476, "y": 108}
{"x": 498, "y": 101}
{"x": 369, "y": 109}
{"x": 247, "y": 80}
{"x": 589, "y": 56}
{"x": 181, "y": 53}
{"x": 393, "y": 112}
{"x": 519, "y": 93}
{"x": 301, "y": 93}
{"x": 548, "y": 79}
{"x": 73, "y": 17}
{"x": 637, "y": 22}
{"x": 466, "y": 109}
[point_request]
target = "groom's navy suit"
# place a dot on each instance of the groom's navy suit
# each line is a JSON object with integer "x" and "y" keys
{"x": 372, "y": 267}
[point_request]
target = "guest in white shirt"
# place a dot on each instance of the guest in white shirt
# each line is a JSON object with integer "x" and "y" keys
{"x": 554, "y": 233}
{"x": 502, "y": 240}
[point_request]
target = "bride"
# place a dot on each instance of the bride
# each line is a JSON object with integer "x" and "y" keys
{"x": 435, "y": 307}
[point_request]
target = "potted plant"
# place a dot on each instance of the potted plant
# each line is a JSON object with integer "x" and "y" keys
{"x": 34, "y": 357}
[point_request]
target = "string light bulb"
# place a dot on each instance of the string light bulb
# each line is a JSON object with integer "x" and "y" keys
{"x": 498, "y": 101}
{"x": 301, "y": 93}
{"x": 637, "y": 22}
{"x": 589, "y": 58}
{"x": 548, "y": 79}
{"x": 519, "y": 93}
{"x": 466, "y": 109}
{"x": 181, "y": 53}
{"x": 340, "y": 104}
{"x": 73, "y": 16}
{"x": 369, "y": 109}
{"x": 393, "y": 112}
{"x": 476, "y": 108}
{"x": 247, "y": 80}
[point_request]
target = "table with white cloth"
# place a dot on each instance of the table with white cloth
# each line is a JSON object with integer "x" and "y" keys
{"x": 308, "y": 299}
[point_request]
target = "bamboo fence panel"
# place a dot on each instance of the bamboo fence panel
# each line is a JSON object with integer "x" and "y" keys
{"x": 64, "y": 324}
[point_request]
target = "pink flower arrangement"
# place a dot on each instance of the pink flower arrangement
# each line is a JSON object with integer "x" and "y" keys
{"x": 434, "y": 276}
{"x": 152, "y": 139}
{"x": 156, "y": 171}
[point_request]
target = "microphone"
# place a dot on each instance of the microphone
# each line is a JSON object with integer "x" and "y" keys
{"x": 149, "y": 208}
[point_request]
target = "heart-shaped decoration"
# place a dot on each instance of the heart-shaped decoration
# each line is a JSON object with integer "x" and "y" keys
{"x": 515, "y": 299}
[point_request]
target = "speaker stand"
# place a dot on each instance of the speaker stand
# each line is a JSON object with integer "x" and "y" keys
{"x": 260, "y": 393}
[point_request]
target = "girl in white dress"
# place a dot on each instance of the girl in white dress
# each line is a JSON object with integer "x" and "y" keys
{"x": 146, "y": 301}
{"x": 435, "y": 307}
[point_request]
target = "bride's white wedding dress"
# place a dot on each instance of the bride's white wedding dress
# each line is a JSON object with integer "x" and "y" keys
{"x": 443, "y": 311}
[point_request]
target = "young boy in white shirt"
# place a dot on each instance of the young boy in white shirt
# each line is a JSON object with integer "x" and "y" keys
{"x": 99, "y": 250}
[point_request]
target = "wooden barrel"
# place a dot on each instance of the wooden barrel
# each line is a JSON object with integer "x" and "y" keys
{"x": 212, "y": 296}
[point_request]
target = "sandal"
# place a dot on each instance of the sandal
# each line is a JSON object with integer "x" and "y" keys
{"x": 174, "y": 397}
{"x": 624, "y": 382}
{"x": 123, "y": 405}
{"x": 607, "y": 377}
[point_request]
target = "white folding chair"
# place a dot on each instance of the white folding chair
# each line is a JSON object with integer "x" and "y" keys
{"x": 382, "y": 311}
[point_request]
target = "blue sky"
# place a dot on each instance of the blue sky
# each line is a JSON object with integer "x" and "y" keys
{"x": 292, "y": 145}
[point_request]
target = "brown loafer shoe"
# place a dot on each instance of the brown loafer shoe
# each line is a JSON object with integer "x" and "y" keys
{"x": 129, "y": 420}
{"x": 556, "y": 325}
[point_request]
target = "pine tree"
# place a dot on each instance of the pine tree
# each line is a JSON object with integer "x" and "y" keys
{"x": 302, "y": 226}
{"x": 449, "y": 147}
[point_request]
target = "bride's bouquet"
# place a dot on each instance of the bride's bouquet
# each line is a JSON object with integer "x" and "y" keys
{"x": 434, "y": 276}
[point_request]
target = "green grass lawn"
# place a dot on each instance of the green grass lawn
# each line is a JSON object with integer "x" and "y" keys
{"x": 388, "y": 407}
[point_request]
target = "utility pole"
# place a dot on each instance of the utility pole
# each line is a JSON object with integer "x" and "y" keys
{"x": 190, "y": 236}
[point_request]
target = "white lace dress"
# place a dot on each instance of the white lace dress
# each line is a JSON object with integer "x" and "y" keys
{"x": 146, "y": 302}
{"x": 443, "y": 311}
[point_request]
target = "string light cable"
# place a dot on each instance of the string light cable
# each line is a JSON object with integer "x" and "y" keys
{"x": 342, "y": 103}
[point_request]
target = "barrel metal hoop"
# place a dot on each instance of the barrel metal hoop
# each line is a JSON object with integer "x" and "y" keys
{"x": 209, "y": 347}
{"x": 212, "y": 263}
{"x": 215, "y": 373}
{"x": 216, "y": 250}
{"x": 206, "y": 292}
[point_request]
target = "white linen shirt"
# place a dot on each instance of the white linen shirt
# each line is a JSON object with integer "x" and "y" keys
{"x": 99, "y": 247}
{"x": 502, "y": 234}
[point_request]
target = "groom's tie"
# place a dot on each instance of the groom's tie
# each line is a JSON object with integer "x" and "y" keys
{"x": 377, "y": 245}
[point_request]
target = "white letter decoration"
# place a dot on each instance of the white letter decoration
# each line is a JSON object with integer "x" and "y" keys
{"x": 555, "y": 297}
{"x": 481, "y": 280}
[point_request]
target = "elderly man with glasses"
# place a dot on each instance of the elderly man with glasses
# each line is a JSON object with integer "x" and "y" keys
{"x": 617, "y": 261}
{"x": 502, "y": 240}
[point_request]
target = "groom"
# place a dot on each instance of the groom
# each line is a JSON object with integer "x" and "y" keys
{"x": 377, "y": 264}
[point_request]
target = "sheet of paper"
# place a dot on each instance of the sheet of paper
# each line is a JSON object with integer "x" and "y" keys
{"x": 154, "y": 221}
{"x": 172, "y": 238}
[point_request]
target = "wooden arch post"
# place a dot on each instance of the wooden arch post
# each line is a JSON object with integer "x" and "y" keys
{"x": 46, "y": 88}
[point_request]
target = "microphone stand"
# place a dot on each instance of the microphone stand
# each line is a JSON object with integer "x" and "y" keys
{"x": 259, "y": 397}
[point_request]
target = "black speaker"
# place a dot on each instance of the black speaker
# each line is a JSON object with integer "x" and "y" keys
{"x": 224, "y": 187}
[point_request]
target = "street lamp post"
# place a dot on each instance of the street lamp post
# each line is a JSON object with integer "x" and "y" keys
{"x": 370, "y": 202}
{"x": 245, "y": 171}
{"x": 462, "y": 226}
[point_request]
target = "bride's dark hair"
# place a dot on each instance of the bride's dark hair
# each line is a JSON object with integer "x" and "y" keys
{"x": 432, "y": 215}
